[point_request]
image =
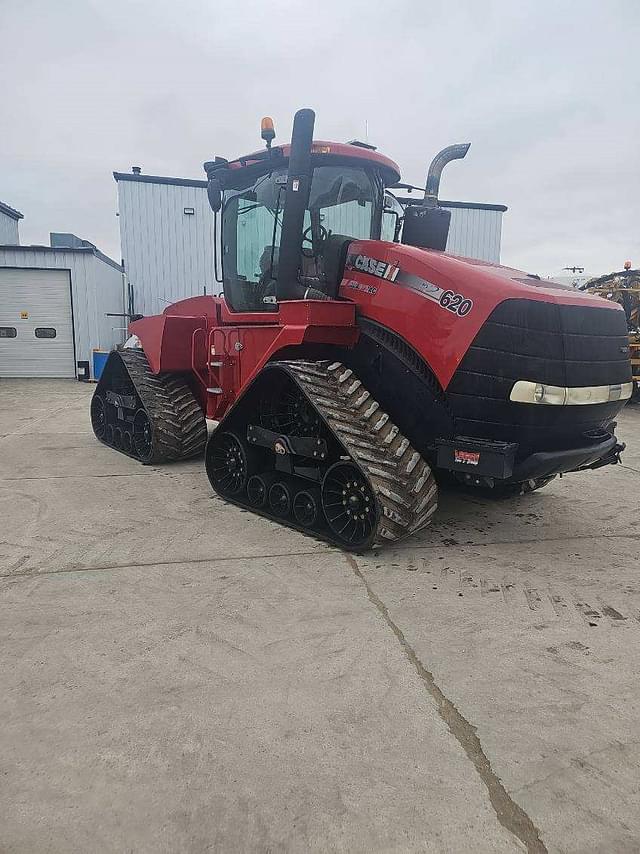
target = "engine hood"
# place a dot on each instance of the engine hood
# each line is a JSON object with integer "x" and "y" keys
{"x": 438, "y": 302}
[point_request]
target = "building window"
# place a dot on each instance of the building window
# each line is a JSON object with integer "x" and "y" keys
{"x": 189, "y": 211}
{"x": 8, "y": 332}
{"x": 45, "y": 332}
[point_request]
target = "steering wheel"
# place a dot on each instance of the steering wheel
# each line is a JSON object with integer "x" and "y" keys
{"x": 307, "y": 237}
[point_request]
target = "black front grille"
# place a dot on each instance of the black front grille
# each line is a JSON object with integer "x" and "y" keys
{"x": 562, "y": 345}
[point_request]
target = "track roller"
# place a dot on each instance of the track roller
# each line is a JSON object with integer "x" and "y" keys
{"x": 258, "y": 487}
{"x": 280, "y": 499}
{"x": 306, "y": 507}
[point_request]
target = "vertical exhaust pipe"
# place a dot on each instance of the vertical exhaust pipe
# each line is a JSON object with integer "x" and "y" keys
{"x": 432, "y": 188}
{"x": 296, "y": 202}
{"x": 426, "y": 224}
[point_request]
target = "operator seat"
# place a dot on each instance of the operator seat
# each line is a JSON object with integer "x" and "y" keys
{"x": 323, "y": 273}
{"x": 334, "y": 251}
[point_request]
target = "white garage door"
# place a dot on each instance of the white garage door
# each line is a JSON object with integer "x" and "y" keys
{"x": 36, "y": 332}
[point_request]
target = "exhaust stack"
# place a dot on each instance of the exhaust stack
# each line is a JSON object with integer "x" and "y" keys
{"x": 426, "y": 224}
{"x": 296, "y": 201}
{"x": 432, "y": 188}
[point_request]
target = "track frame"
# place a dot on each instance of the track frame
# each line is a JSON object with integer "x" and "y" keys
{"x": 358, "y": 433}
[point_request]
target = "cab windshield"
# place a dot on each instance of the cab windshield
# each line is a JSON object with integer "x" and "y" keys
{"x": 343, "y": 201}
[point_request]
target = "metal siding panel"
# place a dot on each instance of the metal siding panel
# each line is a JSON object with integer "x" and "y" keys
{"x": 9, "y": 234}
{"x": 168, "y": 255}
{"x": 106, "y": 283}
{"x": 45, "y": 295}
{"x": 475, "y": 233}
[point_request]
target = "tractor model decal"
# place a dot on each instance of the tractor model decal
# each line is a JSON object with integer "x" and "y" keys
{"x": 448, "y": 299}
{"x": 359, "y": 286}
{"x": 451, "y": 301}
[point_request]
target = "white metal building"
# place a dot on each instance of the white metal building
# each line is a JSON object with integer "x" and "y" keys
{"x": 9, "y": 218}
{"x": 54, "y": 302}
{"x": 166, "y": 235}
{"x": 476, "y": 230}
{"x": 166, "y": 239}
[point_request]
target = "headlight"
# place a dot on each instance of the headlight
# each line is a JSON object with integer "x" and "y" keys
{"x": 525, "y": 391}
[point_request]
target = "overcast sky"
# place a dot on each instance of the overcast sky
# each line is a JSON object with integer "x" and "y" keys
{"x": 548, "y": 93}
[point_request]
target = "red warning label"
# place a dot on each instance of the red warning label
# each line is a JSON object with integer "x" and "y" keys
{"x": 471, "y": 458}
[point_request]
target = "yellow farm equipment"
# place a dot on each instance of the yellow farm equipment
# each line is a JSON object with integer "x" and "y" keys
{"x": 624, "y": 288}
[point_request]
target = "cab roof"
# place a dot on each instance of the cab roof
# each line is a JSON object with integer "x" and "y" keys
{"x": 323, "y": 152}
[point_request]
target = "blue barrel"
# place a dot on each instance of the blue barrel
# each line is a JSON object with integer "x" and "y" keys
{"x": 99, "y": 361}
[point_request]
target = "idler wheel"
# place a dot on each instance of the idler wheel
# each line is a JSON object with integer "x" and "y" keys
{"x": 350, "y": 505}
{"x": 227, "y": 463}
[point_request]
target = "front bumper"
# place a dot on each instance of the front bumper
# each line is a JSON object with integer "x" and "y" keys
{"x": 482, "y": 461}
{"x": 549, "y": 463}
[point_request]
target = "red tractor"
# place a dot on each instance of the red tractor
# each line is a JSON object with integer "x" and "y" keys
{"x": 349, "y": 372}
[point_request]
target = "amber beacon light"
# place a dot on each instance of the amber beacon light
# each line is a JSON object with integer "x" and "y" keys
{"x": 267, "y": 131}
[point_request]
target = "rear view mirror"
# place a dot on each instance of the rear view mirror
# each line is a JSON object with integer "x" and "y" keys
{"x": 391, "y": 225}
{"x": 214, "y": 193}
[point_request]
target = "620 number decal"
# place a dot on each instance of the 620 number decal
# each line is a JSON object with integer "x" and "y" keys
{"x": 456, "y": 303}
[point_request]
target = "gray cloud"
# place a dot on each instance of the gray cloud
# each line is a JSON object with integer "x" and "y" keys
{"x": 547, "y": 92}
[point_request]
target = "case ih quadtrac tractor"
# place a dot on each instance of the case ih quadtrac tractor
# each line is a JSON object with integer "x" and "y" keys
{"x": 348, "y": 372}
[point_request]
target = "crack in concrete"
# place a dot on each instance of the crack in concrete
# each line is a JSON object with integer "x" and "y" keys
{"x": 34, "y": 573}
{"x": 510, "y": 814}
{"x": 75, "y": 476}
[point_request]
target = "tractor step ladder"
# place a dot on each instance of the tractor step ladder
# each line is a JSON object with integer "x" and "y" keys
{"x": 220, "y": 371}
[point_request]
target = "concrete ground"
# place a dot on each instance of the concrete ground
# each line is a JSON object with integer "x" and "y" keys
{"x": 180, "y": 676}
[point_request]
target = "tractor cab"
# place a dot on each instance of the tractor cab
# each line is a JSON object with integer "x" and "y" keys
{"x": 288, "y": 214}
{"x": 343, "y": 201}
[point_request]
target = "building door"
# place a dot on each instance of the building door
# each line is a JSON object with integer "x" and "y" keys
{"x": 36, "y": 327}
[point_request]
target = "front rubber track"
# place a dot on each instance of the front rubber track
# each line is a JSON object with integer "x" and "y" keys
{"x": 401, "y": 481}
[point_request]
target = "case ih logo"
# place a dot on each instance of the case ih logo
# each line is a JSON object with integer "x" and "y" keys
{"x": 471, "y": 458}
{"x": 457, "y": 304}
{"x": 372, "y": 266}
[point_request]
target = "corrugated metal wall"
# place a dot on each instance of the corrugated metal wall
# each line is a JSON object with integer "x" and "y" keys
{"x": 8, "y": 230}
{"x": 96, "y": 289}
{"x": 168, "y": 255}
{"x": 475, "y": 233}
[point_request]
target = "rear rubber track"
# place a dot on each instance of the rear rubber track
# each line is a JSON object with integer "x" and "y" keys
{"x": 179, "y": 426}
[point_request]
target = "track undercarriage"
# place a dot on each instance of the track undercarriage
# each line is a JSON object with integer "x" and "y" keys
{"x": 308, "y": 446}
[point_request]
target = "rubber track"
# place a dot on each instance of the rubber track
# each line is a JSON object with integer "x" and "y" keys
{"x": 402, "y": 481}
{"x": 179, "y": 426}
